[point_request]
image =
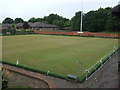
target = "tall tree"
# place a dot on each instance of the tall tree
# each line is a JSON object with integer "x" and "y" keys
{"x": 75, "y": 21}
{"x": 33, "y": 19}
{"x": 8, "y": 20}
{"x": 59, "y": 23}
{"x": 18, "y": 20}
{"x": 100, "y": 20}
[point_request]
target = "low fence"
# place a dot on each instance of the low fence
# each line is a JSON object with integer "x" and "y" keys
{"x": 68, "y": 33}
{"x": 88, "y": 73}
{"x": 80, "y": 79}
{"x": 84, "y": 34}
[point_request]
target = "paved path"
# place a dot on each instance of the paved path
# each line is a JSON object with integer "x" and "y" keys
{"x": 55, "y": 82}
{"x": 107, "y": 77}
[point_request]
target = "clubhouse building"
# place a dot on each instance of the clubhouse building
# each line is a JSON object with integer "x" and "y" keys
{"x": 33, "y": 26}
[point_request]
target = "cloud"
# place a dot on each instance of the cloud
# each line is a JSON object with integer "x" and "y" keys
{"x": 40, "y": 8}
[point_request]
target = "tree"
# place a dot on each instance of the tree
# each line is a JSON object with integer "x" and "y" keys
{"x": 67, "y": 24}
{"x": 55, "y": 19}
{"x": 100, "y": 20}
{"x": 116, "y": 11}
{"x": 13, "y": 28}
{"x": 18, "y": 20}
{"x": 33, "y": 19}
{"x": 59, "y": 23}
{"x": 51, "y": 18}
{"x": 8, "y": 21}
{"x": 26, "y": 25}
{"x": 75, "y": 21}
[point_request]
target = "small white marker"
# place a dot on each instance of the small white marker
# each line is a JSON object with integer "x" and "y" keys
{"x": 114, "y": 46}
{"x": 48, "y": 72}
{"x": 17, "y": 62}
{"x": 101, "y": 61}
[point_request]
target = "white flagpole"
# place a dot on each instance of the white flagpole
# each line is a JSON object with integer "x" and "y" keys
{"x": 81, "y": 18}
{"x": 81, "y": 21}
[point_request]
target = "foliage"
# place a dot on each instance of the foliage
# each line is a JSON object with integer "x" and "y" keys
{"x": 26, "y": 25}
{"x": 100, "y": 20}
{"x": 18, "y": 20}
{"x": 11, "y": 31}
{"x": 97, "y": 21}
{"x": 8, "y": 20}
{"x": 56, "y": 20}
{"x": 75, "y": 21}
{"x": 67, "y": 24}
{"x": 59, "y": 23}
{"x": 13, "y": 26}
{"x": 116, "y": 11}
{"x": 33, "y": 19}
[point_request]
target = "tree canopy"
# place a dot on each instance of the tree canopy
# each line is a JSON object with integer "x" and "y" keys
{"x": 26, "y": 25}
{"x": 116, "y": 11}
{"x": 100, "y": 20}
{"x": 56, "y": 20}
{"x": 33, "y": 19}
{"x": 18, "y": 20}
{"x": 8, "y": 20}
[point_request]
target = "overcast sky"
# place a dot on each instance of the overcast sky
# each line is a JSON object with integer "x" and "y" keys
{"x": 40, "y": 8}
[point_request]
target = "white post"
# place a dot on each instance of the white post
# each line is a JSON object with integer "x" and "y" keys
{"x": 114, "y": 47}
{"x": 76, "y": 67}
{"x": 81, "y": 21}
{"x": 48, "y": 72}
{"x": 101, "y": 63}
{"x": 17, "y": 62}
{"x": 86, "y": 78}
{"x": 86, "y": 74}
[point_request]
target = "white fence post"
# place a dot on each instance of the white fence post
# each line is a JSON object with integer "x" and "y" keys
{"x": 17, "y": 62}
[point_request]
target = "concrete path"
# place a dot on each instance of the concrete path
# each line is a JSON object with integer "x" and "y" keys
{"x": 107, "y": 77}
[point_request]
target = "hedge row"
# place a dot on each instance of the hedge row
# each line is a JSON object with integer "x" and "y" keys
{"x": 36, "y": 70}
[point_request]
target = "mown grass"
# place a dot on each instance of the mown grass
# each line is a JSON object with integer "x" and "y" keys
{"x": 57, "y": 54}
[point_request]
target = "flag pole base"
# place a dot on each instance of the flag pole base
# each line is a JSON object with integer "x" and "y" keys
{"x": 79, "y": 32}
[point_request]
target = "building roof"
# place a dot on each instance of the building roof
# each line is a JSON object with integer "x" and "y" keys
{"x": 41, "y": 24}
{"x": 38, "y": 25}
{"x": 6, "y": 25}
{"x": 33, "y": 25}
{"x": 19, "y": 25}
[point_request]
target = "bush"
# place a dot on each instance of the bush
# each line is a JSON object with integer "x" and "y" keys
{"x": 10, "y": 31}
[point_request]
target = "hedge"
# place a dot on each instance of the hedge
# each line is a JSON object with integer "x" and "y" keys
{"x": 36, "y": 70}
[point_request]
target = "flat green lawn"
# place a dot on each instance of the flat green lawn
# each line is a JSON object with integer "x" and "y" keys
{"x": 57, "y": 54}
